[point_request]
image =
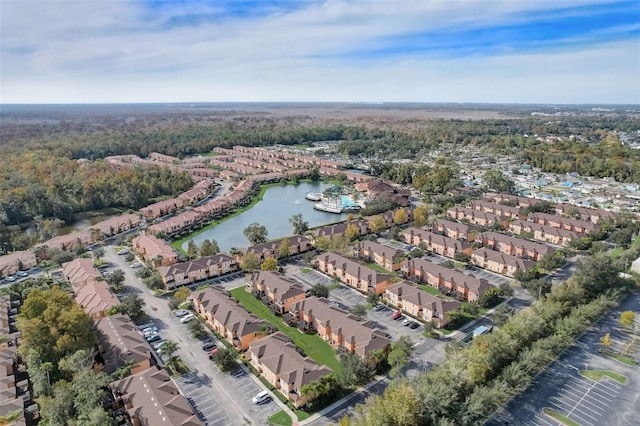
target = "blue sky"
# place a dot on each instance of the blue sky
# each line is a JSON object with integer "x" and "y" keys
{"x": 542, "y": 51}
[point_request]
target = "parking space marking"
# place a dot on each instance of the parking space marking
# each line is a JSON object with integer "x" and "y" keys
{"x": 543, "y": 420}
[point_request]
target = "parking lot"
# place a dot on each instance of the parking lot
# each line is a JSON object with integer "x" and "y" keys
{"x": 246, "y": 388}
{"x": 202, "y": 400}
{"x": 382, "y": 319}
{"x": 227, "y": 281}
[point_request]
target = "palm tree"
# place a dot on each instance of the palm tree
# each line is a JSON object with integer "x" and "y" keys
{"x": 11, "y": 417}
{"x": 168, "y": 349}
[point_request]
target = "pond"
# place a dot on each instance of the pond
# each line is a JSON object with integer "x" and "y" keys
{"x": 275, "y": 209}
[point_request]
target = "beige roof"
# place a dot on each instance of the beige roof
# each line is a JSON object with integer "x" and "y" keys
{"x": 155, "y": 399}
{"x": 365, "y": 337}
{"x": 437, "y": 239}
{"x": 382, "y": 250}
{"x": 278, "y": 354}
{"x": 80, "y": 271}
{"x": 96, "y": 297}
{"x": 526, "y": 245}
{"x": 154, "y": 247}
{"x": 504, "y": 259}
{"x": 450, "y": 275}
{"x": 354, "y": 269}
{"x": 407, "y": 291}
{"x": 277, "y": 284}
{"x": 121, "y": 341}
{"x": 195, "y": 265}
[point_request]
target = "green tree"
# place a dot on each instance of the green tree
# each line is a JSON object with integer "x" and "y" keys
{"x": 462, "y": 257}
{"x": 192, "y": 249}
{"x": 51, "y": 323}
{"x": 209, "y": 248}
{"x": 596, "y": 274}
{"x": 300, "y": 226}
{"x": 320, "y": 290}
{"x": 98, "y": 253}
{"x": 538, "y": 287}
{"x": 116, "y": 280}
{"x": 359, "y": 311}
{"x": 256, "y": 233}
{"x": 400, "y": 217}
{"x": 355, "y": 370}
{"x": 169, "y": 349}
{"x": 420, "y": 215}
{"x": 376, "y": 224}
{"x": 154, "y": 281}
{"x": 494, "y": 180}
{"x": 182, "y": 294}
{"x": 133, "y": 305}
{"x": 269, "y": 264}
{"x": 605, "y": 342}
{"x": 627, "y": 319}
{"x": 284, "y": 248}
{"x": 196, "y": 328}
{"x": 225, "y": 359}
{"x": 352, "y": 232}
{"x": 250, "y": 262}
{"x": 502, "y": 315}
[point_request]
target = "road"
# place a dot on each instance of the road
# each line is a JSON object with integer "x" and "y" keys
{"x": 225, "y": 402}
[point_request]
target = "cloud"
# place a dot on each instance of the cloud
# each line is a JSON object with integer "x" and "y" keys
{"x": 105, "y": 51}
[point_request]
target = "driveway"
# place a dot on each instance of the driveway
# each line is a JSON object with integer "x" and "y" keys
{"x": 223, "y": 400}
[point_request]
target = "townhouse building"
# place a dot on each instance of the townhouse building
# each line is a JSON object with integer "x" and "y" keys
{"x": 353, "y": 274}
{"x": 227, "y": 317}
{"x": 475, "y": 217}
{"x": 339, "y": 229}
{"x": 384, "y": 256}
{"x": 275, "y": 358}
{"x": 500, "y": 263}
{"x": 555, "y": 221}
{"x": 150, "y": 397}
{"x": 297, "y": 244}
{"x": 514, "y": 246}
{"x": 497, "y": 209}
{"x": 154, "y": 250}
{"x": 449, "y": 281}
{"x": 420, "y": 304}
{"x": 16, "y": 261}
{"x": 185, "y": 273}
{"x": 544, "y": 233}
{"x": 435, "y": 243}
{"x": 339, "y": 328}
{"x": 451, "y": 229}
{"x": 279, "y": 292}
{"x": 121, "y": 343}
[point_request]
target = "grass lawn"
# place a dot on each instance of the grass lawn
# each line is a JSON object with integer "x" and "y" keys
{"x": 302, "y": 415}
{"x": 445, "y": 332}
{"x": 622, "y": 358}
{"x": 306, "y": 270}
{"x": 559, "y": 417}
{"x": 314, "y": 346}
{"x": 281, "y": 418}
{"x": 616, "y": 252}
{"x": 429, "y": 289}
{"x": 394, "y": 242}
{"x": 380, "y": 269}
{"x": 596, "y": 375}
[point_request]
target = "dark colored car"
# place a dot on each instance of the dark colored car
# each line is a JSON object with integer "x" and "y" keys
{"x": 414, "y": 325}
{"x": 209, "y": 345}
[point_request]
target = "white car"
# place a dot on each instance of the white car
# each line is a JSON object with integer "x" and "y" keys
{"x": 135, "y": 265}
{"x": 185, "y": 319}
{"x": 11, "y": 278}
{"x": 263, "y": 396}
{"x": 181, "y": 312}
{"x": 22, "y": 274}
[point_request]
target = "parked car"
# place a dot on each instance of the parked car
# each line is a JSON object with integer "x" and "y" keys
{"x": 396, "y": 315}
{"x": 301, "y": 351}
{"x": 181, "y": 312}
{"x": 414, "y": 325}
{"x": 209, "y": 345}
{"x": 135, "y": 265}
{"x": 123, "y": 251}
{"x": 212, "y": 352}
{"x": 153, "y": 337}
{"x": 263, "y": 396}
{"x": 149, "y": 330}
{"x": 22, "y": 273}
{"x": 158, "y": 345}
{"x": 103, "y": 266}
{"x": 11, "y": 278}
{"x": 379, "y": 307}
{"x": 185, "y": 319}
{"x": 406, "y": 322}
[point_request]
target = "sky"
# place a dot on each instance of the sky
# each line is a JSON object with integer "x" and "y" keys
{"x": 524, "y": 51}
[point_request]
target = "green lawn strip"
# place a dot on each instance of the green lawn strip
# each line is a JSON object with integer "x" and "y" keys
{"x": 616, "y": 252}
{"x": 445, "y": 331}
{"x": 302, "y": 415}
{"x": 430, "y": 290}
{"x": 313, "y": 345}
{"x": 380, "y": 269}
{"x": 281, "y": 418}
{"x": 596, "y": 375}
{"x": 559, "y": 417}
{"x": 394, "y": 242}
{"x": 622, "y": 358}
{"x": 306, "y": 270}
